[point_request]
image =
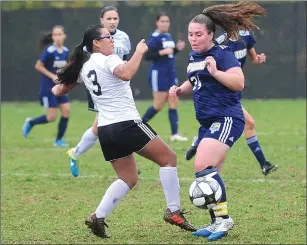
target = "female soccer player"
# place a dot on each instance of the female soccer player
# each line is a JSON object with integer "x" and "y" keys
{"x": 216, "y": 79}
{"x": 110, "y": 19}
{"x": 162, "y": 74}
{"x": 121, "y": 131}
{"x": 53, "y": 58}
{"x": 241, "y": 47}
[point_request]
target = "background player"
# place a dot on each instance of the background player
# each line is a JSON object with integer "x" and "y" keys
{"x": 120, "y": 128}
{"x": 53, "y": 58}
{"x": 216, "y": 78}
{"x": 110, "y": 19}
{"x": 241, "y": 45}
{"x": 162, "y": 74}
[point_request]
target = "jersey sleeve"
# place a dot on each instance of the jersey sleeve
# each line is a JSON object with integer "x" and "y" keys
{"x": 250, "y": 42}
{"x": 112, "y": 62}
{"x": 45, "y": 56}
{"x": 227, "y": 60}
{"x": 152, "y": 43}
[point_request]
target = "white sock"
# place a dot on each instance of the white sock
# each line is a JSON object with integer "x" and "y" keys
{"x": 116, "y": 191}
{"x": 87, "y": 141}
{"x": 170, "y": 183}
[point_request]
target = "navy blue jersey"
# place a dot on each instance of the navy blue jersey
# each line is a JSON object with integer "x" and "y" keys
{"x": 158, "y": 41}
{"x": 239, "y": 47}
{"x": 53, "y": 62}
{"x": 211, "y": 98}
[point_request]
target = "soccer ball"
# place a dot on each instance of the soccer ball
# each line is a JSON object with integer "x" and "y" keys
{"x": 205, "y": 192}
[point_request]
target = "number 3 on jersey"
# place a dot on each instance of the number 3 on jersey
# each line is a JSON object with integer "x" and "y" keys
{"x": 196, "y": 82}
{"x": 93, "y": 76}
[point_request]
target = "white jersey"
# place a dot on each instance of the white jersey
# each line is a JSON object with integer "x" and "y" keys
{"x": 112, "y": 96}
{"x": 122, "y": 45}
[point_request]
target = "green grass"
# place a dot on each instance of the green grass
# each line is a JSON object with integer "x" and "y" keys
{"x": 42, "y": 203}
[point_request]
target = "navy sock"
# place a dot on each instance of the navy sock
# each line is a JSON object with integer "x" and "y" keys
{"x": 62, "y": 127}
{"x": 254, "y": 145}
{"x": 220, "y": 210}
{"x": 151, "y": 111}
{"x": 173, "y": 118}
{"x": 39, "y": 120}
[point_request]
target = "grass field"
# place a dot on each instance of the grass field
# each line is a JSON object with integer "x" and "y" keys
{"x": 42, "y": 203}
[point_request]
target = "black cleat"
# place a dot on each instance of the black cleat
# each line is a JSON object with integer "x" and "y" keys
{"x": 268, "y": 168}
{"x": 139, "y": 172}
{"x": 177, "y": 218}
{"x": 97, "y": 225}
{"x": 190, "y": 153}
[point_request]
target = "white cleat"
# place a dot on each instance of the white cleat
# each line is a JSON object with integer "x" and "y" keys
{"x": 178, "y": 137}
{"x": 222, "y": 228}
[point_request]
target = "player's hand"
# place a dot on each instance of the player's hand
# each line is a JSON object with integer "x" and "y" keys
{"x": 55, "y": 79}
{"x": 141, "y": 47}
{"x": 174, "y": 91}
{"x": 180, "y": 45}
{"x": 167, "y": 51}
{"x": 261, "y": 58}
{"x": 211, "y": 65}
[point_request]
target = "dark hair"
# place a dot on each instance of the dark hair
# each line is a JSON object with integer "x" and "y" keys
{"x": 45, "y": 40}
{"x": 231, "y": 17}
{"x": 160, "y": 14}
{"x": 106, "y": 9}
{"x": 58, "y": 26}
{"x": 69, "y": 74}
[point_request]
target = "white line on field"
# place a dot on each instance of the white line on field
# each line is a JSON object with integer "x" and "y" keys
{"x": 260, "y": 180}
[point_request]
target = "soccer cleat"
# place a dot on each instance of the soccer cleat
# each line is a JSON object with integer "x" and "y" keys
{"x": 139, "y": 172}
{"x": 60, "y": 143}
{"x": 221, "y": 228}
{"x": 73, "y": 162}
{"x": 268, "y": 168}
{"x": 207, "y": 230}
{"x": 178, "y": 137}
{"x": 97, "y": 225}
{"x": 26, "y": 128}
{"x": 190, "y": 153}
{"x": 177, "y": 218}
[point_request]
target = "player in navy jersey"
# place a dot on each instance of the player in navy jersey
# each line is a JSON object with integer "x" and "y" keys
{"x": 241, "y": 47}
{"x": 216, "y": 79}
{"x": 110, "y": 19}
{"x": 54, "y": 57}
{"x": 162, "y": 74}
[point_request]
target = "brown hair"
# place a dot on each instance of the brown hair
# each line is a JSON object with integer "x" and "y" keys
{"x": 231, "y": 17}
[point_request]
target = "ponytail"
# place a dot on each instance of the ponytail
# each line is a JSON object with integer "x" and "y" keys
{"x": 45, "y": 40}
{"x": 70, "y": 73}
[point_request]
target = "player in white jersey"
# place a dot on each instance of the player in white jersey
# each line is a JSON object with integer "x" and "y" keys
{"x": 121, "y": 131}
{"x": 110, "y": 19}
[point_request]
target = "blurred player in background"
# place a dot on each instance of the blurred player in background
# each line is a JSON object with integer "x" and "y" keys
{"x": 110, "y": 19}
{"x": 162, "y": 74}
{"x": 216, "y": 79}
{"x": 120, "y": 128}
{"x": 54, "y": 57}
{"x": 241, "y": 45}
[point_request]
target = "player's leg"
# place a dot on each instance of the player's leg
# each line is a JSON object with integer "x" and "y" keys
{"x": 210, "y": 157}
{"x": 254, "y": 145}
{"x": 64, "y": 107}
{"x": 49, "y": 102}
{"x": 159, "y": 152}
{"x": 126, "y": 171}
{"x": 123, "y": 162}
{"x": 159, "y": 99}
{"x": 88, "y": 139}
{"x": 173, "y": 118}
{"x": 160, "y": 94}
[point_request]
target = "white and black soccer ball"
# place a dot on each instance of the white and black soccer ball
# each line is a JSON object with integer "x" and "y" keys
{"x": 205, "y": 192}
